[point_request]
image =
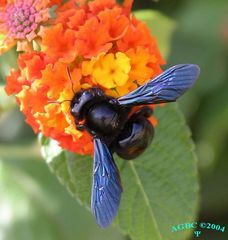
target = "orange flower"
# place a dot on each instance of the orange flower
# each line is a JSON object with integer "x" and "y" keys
{"x": 31, "y": 65}
{"x": 70, "y": 15}
{"x": 144, "y": 65}
{"x": 59, "y": 43}
{"x": 115, "y": 22}
{"x": 77, "y": 19}
{"x": 138, "y": 34}
{"x": 92, "y": 38}
{"x": 55, "y": 77}
{"x": 3, "y": 3}
{"x": 89, "y": 43}
{"x": 97, "y": 6}
{"x": 127, "y": 5}
{"x": 31, "y": 101}
{"x": 54, "y": 2}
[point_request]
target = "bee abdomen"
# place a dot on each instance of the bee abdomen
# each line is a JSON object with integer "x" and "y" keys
{"x": 134, "y": 139}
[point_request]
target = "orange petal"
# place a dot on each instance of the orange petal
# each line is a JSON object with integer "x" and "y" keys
{"x": 59, "y": 43}
{"x": 92, "y": 38}
{"x": 115, "y": 22}
{"x": 13, "y": 82}
{"x": 97, "y": 6}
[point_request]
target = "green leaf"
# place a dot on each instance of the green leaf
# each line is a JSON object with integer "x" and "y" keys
{"x": 8, "y": 60}
{"x": 52, "y": 11}
{"x": 24, "y": 211}
{"x": 35, "y": 206}
{"x": 161, "y": 27}
{"x": 160, "y": 188}
{"x": 6, "y": 102}
{"x": 2, "y": 36}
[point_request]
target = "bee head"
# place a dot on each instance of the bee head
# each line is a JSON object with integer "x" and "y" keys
{"x": 83, "y": 100}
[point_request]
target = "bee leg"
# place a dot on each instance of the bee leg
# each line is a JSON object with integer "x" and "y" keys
{"x": 80, "y": 127}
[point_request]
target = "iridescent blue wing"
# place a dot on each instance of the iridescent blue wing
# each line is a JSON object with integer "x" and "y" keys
{"x": 166, "y": 87}
{"x": 106, "y": 188}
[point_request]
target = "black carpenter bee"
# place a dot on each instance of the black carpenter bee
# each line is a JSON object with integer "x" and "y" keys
{"x": 107, "y": 119}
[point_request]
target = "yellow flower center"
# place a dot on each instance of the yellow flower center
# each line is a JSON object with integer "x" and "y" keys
{"x": 108, "y": 70}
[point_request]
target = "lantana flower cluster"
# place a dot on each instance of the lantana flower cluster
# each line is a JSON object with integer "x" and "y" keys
{"x": 66, "y": 46}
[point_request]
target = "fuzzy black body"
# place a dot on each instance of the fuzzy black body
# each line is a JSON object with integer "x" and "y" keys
{"x": 104, "y": 118}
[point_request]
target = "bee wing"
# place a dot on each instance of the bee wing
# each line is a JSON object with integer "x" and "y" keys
{"x": 166, "y": 87}
{"x": 106, "y": 188}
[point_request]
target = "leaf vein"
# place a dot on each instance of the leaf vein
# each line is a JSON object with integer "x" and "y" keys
{"x": 145, "y": 197}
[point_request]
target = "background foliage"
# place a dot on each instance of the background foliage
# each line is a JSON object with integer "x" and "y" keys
{"x": 32, "y": 202}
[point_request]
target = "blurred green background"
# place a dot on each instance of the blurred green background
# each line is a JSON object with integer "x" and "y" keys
{"x": 33, "y": 205}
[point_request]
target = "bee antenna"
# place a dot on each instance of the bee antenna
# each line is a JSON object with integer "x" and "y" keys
{"x": 65, "y": 101}
{"x": 69, "y": 76}
{"x": 54, "y": 102}
{"x": 59, "y": 102}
